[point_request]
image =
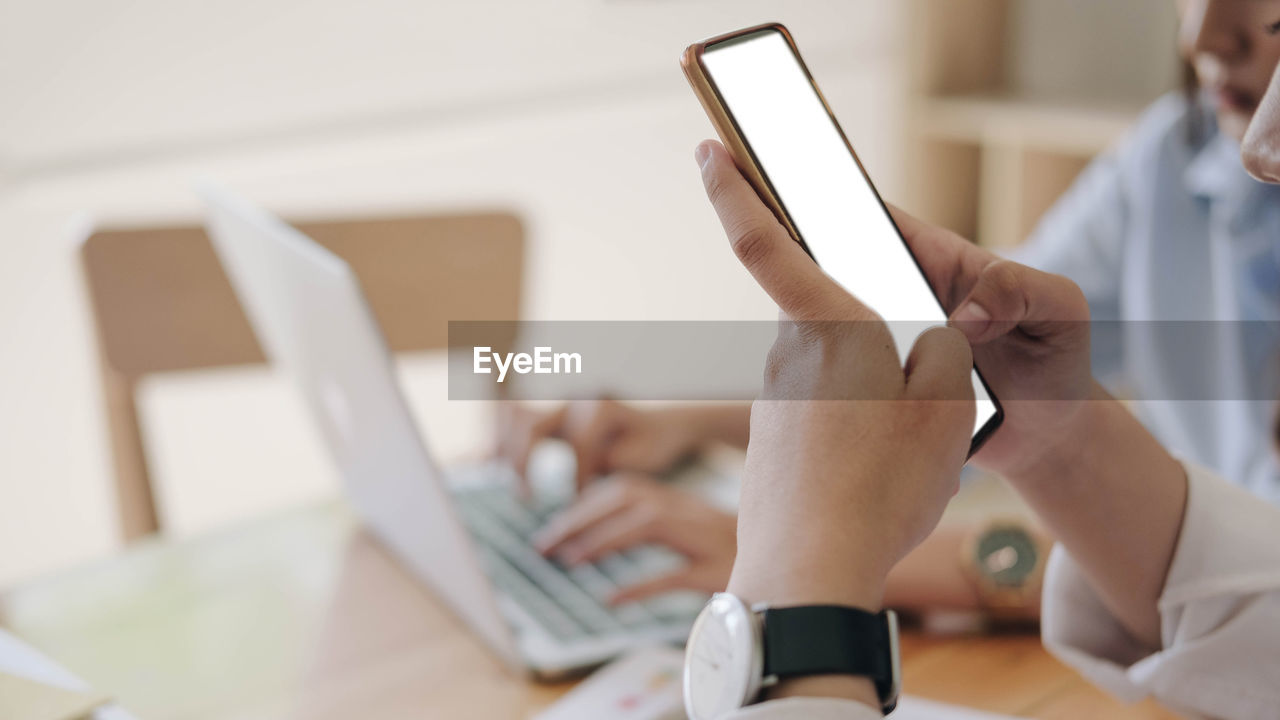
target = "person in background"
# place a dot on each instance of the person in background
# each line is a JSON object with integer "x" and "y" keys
{"x": 1166, "y": 581}
{"x": 1167, "y": 226}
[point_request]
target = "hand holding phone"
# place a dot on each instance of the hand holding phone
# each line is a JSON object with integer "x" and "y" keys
{"x": 782, "y": 135}
{"x": 834, "y": 492}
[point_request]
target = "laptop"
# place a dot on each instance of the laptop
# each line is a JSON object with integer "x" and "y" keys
{"x": 463, "y": 534}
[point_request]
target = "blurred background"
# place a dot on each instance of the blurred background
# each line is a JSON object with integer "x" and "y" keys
{"x": 572, "y": 114}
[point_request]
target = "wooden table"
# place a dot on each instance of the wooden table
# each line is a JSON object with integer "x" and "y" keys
{"x": 304, "y": 616}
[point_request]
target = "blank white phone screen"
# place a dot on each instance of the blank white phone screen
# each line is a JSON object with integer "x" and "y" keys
{"x": 832, "y": 205}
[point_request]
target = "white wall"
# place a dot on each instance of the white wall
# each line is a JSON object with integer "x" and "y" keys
{"x": 573, "y": 112}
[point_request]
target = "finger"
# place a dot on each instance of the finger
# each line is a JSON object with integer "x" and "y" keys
{"x": 596, "y": 505}
{"x": 764, "y": 247}
{"x": 618, "y": 532}
{"x": 940, "y": 366}
{"x": 1008, "y": 295}
{"x": 678, "y": 580}
{"x": 522, "y": 431}
{"x": 590, "y": 428}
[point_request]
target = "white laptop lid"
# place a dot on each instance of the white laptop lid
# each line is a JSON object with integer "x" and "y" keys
{"x": 307, "y": 309}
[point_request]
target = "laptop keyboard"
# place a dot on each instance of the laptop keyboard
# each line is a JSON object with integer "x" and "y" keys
{"x": 569, "y": 602}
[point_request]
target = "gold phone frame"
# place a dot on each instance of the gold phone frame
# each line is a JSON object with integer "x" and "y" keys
{"x": 704, "y": 88}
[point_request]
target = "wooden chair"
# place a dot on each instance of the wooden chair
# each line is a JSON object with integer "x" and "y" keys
{"x": 161, "y": 303}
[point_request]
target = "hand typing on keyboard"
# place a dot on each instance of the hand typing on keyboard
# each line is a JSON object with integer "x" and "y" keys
{"x": 608, "y": 436}
{"x": 626, "y": 511}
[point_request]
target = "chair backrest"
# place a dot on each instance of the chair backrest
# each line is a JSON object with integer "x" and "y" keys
{"x": 161, "y": 302}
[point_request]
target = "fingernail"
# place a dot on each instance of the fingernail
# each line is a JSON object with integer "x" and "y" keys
{"x": 972, "y": 319}
{"x": 702, "y": 153}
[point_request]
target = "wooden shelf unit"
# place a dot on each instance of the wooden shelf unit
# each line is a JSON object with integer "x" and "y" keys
{"x": 992, "y": 147}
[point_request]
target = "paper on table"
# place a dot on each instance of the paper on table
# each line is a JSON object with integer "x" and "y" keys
{"x": 644, "y": 685}
{"x": 23, "y": 699}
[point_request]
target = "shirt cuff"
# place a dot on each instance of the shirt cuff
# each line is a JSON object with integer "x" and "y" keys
{"x": 1218, "y": 612}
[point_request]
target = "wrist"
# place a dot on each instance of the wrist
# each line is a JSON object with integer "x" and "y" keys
{"x": 1114, "y": 497}
{"x": 808, "y": 579}
{"x": 1059, "y": 454}
{"x": 849, "y": 687}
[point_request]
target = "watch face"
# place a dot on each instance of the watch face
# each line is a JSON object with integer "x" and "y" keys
{"x": 1007, "y": 555}
{"x": 722, "y": 664}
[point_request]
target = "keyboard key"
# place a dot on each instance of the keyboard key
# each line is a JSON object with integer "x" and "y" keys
{"x": 677, "y": 606}
{"x": 551, "y": 579}
{"x": 530, "y": 598}
{"x": 652, "y": 561}
{"x": 645, "y": 563}
{"x": 515, "y": 514}
{"x": 621, "y": 570}
{"x": 602, "y": 588}
{"x": 579, "y": 595}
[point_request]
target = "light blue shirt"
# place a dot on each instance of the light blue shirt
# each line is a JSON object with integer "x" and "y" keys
{"x": 1161, "y": 229}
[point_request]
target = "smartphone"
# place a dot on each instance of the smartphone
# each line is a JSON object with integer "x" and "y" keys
{"x": 782, "y": 134}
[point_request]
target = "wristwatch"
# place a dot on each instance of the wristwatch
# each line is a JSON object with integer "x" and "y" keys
{"x": 735, "y": 651}
{"x": 1003, "y": 560}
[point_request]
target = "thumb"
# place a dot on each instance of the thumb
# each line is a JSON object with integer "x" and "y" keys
{"x": 1007, "y": 295}
{"x": 940, "y": 366}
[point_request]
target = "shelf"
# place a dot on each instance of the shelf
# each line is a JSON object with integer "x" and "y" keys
{"x": 1011, "y": 99}
{"x": 1044, "y": 125}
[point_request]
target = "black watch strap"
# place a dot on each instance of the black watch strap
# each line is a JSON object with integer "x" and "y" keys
{"x": 828, "y": 640}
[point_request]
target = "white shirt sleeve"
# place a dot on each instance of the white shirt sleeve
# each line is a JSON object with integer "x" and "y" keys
{"x": 1219, "y": 613}
{"x": 809, "y": 708}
